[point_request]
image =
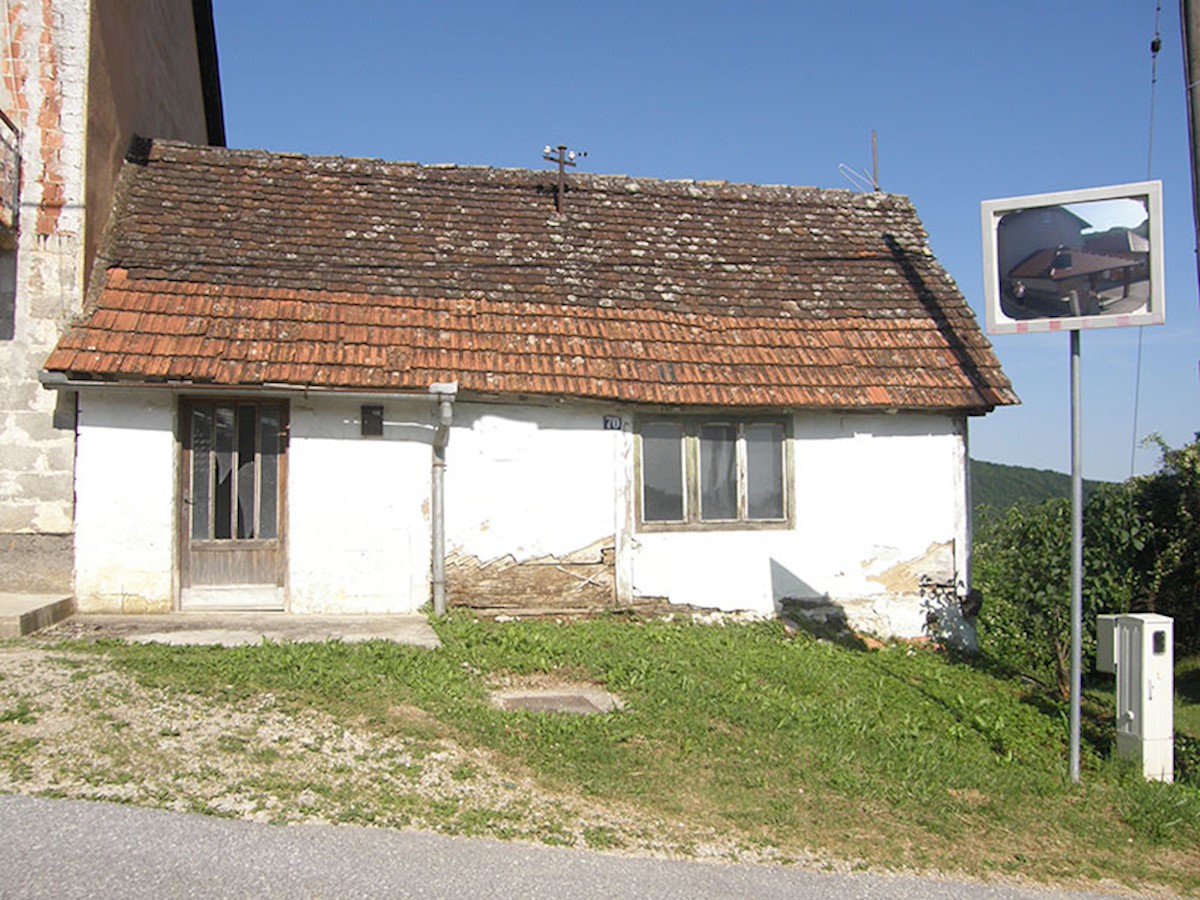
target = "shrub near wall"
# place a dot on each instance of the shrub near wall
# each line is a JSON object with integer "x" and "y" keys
{"x": 1023, "y": 567}
{"x": 1169, "y": 502}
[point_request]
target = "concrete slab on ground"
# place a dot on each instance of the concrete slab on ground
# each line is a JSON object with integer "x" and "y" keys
{"x": 578, "y": 699}
{"x": 22, "y": 614}
{"x": 234, "y": 629}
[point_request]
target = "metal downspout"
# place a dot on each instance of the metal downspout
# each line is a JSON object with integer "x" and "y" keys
{"x": 445, "y": 394}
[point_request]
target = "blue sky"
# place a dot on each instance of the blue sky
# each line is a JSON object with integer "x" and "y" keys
{"x": 970, "y": 101}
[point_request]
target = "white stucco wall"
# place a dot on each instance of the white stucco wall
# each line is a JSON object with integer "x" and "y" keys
{"x": 358, "y": 508}
{"x": 125, "y": 519}
{"x": 529, "y": 482}
{"x": 879, "y": 500}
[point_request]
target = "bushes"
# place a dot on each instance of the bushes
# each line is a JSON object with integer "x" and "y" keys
{"x": 1023, "y": 567}
{"x": 1141, "y": 548}
{"x": 1169, "y": 501}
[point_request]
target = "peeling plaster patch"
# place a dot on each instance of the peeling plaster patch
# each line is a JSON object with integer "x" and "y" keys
{"x": 581, "y": 580}
{"x": 51, "y": 518}
{"x": 937, "y": 564}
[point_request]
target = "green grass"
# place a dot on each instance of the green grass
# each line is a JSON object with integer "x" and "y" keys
{"x": 899, "y": 757}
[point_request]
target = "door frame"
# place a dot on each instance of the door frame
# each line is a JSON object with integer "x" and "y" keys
{"x": 264, "y": 597}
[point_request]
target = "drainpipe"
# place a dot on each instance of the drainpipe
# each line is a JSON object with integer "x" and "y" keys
{"x": 444, "y": 393}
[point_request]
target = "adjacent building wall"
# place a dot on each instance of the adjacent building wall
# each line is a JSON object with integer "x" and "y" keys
{"x": 143, "y": 78}
{"x": 77, "y": 78}
{"x": 43, "y": 86}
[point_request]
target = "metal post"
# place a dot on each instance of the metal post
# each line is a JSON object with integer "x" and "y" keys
{"x": 874, "y": 162}
{"x": 560, "y": 198}
{"x": 1076, "y": 553}
{"x": 444, "y": 393}
{"x": 439, "y": 533}
{"x": 563, "y": 157}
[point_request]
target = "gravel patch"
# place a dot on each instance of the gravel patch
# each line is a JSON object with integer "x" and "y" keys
{"x": 73, "y": 726}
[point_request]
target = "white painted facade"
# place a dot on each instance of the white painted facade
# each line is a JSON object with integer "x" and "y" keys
{"x": 358, "y": 530}
{"x": 879, "y": 500}
{"x": 125, "y": 541}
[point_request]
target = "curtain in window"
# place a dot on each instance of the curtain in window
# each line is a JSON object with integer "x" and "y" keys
{"x": 718, "y": 471}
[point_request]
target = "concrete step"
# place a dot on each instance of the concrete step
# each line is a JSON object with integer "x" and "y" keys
{"x": 22, "y": 614}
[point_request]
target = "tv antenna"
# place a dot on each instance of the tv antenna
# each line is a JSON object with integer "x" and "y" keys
{"x": 861, "y": 179}
{"x": 564, "y": 158}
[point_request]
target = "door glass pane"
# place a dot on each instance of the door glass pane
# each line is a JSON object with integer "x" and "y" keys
{"x": 201, "y": 471}
{"x": 764, "y": 470}
{"x": 662, "y": 472}
{"x": 223, "y": 462}
{"x": 247, "y": 434}
{"x": 268, "y": 471}
{"x": 718, "y": 471}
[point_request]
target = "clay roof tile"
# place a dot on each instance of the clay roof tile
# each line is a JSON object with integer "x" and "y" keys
{"x": 254, "y": 266}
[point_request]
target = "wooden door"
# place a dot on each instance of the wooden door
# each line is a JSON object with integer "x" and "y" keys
{"x": 231, "y": 514}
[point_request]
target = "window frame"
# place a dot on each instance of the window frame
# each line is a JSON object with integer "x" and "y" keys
{"x": 691, "y": 424}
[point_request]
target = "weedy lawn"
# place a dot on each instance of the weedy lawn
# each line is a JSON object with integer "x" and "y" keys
{"x": 898, "y": 758}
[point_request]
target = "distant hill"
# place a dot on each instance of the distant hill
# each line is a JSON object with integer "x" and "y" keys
{"x": 1000, "y": 486}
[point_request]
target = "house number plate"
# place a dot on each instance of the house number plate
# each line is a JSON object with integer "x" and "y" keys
{"x": 612, "y": 423}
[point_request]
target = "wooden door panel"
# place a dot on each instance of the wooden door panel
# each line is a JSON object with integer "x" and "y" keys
{"x": 231, "y": 517}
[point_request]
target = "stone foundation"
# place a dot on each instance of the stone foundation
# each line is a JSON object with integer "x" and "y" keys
{"x": 37, "y": 563}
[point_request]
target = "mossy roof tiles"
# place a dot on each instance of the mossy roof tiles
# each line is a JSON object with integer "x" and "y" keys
{"x": 244, "y": 267}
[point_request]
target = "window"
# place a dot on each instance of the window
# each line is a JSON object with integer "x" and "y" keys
{"x": 234, "y": 483}
{"x": 717, "y": 471}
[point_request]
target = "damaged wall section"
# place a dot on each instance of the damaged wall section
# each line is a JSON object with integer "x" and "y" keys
{"x": 531, "y": 517}
{"x": 574, "y": 583}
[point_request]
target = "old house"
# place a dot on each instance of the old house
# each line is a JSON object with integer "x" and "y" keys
{"x": 728, "y": 396}
{"x": 77, "y": 80}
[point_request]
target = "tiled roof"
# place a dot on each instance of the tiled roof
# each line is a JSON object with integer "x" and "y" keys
{"x": 243, "y": 268}
{"x": 1048, "y": 263}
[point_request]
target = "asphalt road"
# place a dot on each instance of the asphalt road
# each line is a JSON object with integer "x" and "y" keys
{"x": 67, "y": 848}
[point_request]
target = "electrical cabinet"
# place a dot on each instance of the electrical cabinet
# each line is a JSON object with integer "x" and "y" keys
{"x": 1146, "y": 692}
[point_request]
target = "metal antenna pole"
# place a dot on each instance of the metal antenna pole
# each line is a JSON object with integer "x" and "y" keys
{"x": 1076, "y": 553}
{"x": 564, "y": 158}
{"x": 562, "y": 161}
{"x": 874, "y": 162}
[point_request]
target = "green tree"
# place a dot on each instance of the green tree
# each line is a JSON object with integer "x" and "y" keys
{"x": 1023, "y": 567}
{"x": 1168, "y": 502}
